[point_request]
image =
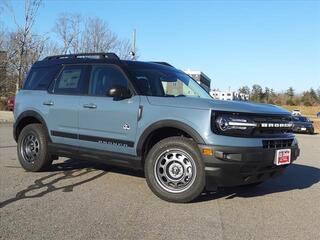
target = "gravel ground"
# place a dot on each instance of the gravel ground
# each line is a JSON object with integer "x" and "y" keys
{"x": 84, "y": 200}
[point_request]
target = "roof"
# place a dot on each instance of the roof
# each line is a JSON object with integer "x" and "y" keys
{"x": 147, "y": 65}
{"x": 83, "y": 58}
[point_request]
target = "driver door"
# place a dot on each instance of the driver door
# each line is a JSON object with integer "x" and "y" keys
{"x": 106, "y": 123}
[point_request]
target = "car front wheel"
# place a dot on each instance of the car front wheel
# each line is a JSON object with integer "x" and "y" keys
{"x": 174, "y": 170}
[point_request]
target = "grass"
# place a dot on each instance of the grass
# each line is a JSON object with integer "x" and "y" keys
{"x": 310, "y": 112}
{"x": 305, "y": 111}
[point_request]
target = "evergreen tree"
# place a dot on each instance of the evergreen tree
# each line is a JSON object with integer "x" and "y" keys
{"x": 256, "y": 93}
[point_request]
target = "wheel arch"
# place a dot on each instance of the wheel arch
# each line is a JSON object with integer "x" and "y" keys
{"x": 26, "y": 118}
{"x": 162, "y": 125}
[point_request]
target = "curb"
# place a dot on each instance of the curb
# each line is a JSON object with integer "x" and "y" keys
{"x": 5, "y": 121}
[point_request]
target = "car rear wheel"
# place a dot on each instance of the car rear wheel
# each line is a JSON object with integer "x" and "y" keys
{"x": 174, "y": 170}
{"x": 33, "y": 148}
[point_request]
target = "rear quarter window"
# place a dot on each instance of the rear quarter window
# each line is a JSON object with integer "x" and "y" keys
{"x": 40, "y": 78}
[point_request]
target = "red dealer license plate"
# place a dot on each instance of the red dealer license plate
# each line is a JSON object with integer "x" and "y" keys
{"x": 283, "y": 156}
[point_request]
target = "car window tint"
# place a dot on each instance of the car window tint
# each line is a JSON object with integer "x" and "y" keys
{"x": 40, "y": 78}
{"x": 105, "y": 77}
{"x": 166, "y": 83}
{"x": 70, "y": 80}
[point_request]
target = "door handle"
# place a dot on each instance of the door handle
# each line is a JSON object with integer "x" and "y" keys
{"x": 48, "y": 103}
{"x": 90, "y": 105}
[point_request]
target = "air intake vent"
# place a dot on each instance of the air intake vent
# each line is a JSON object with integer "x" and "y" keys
{"x": 273, "y": 144}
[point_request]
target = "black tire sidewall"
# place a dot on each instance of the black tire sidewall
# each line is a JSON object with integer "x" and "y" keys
{"x": 43, "y": 159}
{"x": 187, "y": 146}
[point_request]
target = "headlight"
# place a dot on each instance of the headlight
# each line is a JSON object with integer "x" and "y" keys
{"x": 228, "y": 123}
{"x": 234, "y": 125}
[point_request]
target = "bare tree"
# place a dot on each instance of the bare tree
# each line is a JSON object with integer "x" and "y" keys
{"x": 67, "y": 28}
{"x": 24, "y": 47}
{"x": 97, "y": 36}
{"x": 3, "y": 38}
{"x": 123, "y": 48}
{"x": 90, "y": 35}
{"x": 51, "y": 48}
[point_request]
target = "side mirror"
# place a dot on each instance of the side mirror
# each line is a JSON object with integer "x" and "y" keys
{"x": 119, "y": 92}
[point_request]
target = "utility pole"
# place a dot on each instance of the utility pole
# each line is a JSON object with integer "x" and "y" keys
{"x": 133, "y": 48}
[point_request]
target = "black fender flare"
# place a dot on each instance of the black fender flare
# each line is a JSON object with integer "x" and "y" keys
{"x": 26, "y": 114}
{"x": 167, "y": 123}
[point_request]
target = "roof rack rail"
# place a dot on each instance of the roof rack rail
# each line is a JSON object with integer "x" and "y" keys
{"x": 77, "y": 55}
{"x": 163, "y": 63}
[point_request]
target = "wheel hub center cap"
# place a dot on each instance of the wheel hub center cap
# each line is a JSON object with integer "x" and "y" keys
{"x": 176, "y": 170}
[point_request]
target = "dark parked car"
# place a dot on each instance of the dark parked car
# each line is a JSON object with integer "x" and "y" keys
{"x": 10, "y": 103}
{"x": 318, "y": 115}
{"x": 302, "y": 124}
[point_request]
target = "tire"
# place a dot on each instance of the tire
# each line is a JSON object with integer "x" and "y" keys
{"x": 33, "y": 148}
{"x": 174, "y": 170}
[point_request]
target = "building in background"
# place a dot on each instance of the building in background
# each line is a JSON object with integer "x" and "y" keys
{"x": 241, "y": 96}
{"x": 201, "y": 78}
{"x": 229, "y": 95}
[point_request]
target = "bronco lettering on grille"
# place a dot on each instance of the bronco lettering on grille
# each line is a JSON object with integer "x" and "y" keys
{"x": 276, "y": 125}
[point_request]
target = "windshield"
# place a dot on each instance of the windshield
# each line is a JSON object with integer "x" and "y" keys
{"x": 168, "y": 83}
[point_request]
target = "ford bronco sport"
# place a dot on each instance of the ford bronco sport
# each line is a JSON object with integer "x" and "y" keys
{"x": 151, "y": 116}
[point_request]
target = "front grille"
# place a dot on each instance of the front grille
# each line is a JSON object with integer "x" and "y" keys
{"x": 273, "y": 144}
{"x": 267, "y": 125}
{"x": 261, "y": 131}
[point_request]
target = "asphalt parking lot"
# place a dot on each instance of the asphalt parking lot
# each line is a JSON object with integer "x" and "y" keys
{"x": 85, "y": 200}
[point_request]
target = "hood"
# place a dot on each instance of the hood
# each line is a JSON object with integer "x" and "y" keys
{"x": 218, "y": 105}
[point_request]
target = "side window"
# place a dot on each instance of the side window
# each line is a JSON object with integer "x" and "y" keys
{"x": 177, "y": 88}
{"x": 103, "y": 78}
{"x": 71, "y": 81}
{"x": 40, "y": 78}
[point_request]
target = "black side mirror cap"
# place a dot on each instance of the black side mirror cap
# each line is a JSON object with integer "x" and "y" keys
{"x": 119, "y": 92}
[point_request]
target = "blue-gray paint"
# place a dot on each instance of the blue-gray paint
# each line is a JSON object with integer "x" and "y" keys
{"x": 107, "y": 120}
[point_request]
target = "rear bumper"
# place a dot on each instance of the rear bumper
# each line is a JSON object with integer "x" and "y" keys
{"x": 233, "y": 166}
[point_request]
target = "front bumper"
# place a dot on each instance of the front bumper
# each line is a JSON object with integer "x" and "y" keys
{"x": 233, "y": 166}
{"x": 303, "y": 129}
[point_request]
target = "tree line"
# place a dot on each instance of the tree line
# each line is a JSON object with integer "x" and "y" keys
{"x": 290, "y": 97}
{"x": 72, "y": 33}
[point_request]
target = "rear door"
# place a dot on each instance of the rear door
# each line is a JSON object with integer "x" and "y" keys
{"x": 105, "y": 123}
{"x": 63, "y": 104}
